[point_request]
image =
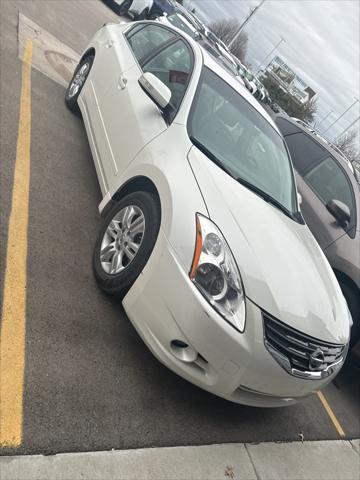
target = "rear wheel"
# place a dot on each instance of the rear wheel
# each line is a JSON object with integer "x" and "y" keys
{"x": 77, "y": 82}
{"x": 125, "y": 242}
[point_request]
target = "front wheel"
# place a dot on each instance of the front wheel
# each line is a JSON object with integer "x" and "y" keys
{"x": 125, "y": 242}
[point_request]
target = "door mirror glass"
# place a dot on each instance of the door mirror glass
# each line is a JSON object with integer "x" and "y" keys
{"x": 155, "y": 89}
{"x": 339, "y": 210}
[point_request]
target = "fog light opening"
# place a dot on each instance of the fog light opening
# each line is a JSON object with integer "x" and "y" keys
{"x": 183, "y": 351}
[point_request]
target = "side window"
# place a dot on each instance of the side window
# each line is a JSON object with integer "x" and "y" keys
{"x": 146, "y": 39}
{"x": 304, "y": 151}
{"x": 329, "y": 182}
{"x": 172, "y": 66}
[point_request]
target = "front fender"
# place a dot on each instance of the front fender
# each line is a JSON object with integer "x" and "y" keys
{"x": 169, "y": 170}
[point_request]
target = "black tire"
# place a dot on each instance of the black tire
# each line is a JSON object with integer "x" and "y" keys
{"x": 154, "y": 15}
{"x": 124, "y": 7}
{"x": 71, "y": 101}
{"x": 354, "y": 306}
{"x": 120, "y": 283}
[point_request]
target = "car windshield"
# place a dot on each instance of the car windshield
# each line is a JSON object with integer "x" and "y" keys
{"x": 241, "y": 141}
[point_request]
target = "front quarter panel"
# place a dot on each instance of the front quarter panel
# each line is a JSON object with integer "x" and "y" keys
{"x": 164, "y": 162}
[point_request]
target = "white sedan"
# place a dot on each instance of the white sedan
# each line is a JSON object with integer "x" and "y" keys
{"x": 202, "y": 235}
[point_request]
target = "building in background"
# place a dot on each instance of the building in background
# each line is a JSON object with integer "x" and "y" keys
{"x": 289, "y": 81}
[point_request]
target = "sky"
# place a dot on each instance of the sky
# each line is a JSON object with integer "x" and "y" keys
{"x": 322, "y": 46}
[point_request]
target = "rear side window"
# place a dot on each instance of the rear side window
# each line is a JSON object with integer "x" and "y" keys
{"x": 329, "y": 182}
{"x": 173, "y": 66}
{"x": 146, "y": 39}
{"x": 304, "y": 151}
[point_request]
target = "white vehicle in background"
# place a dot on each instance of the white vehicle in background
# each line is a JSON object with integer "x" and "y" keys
{"x": 261, "y": 92}
{"x": 178, "y": 20}
{"x": 137, "y": 9}
{"x": 202, "y": 235}
{"x": 141, "y": 9}
{"x": 248, "y": 78}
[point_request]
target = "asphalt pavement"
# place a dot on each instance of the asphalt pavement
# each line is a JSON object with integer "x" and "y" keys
{"x": 90, "y": 383}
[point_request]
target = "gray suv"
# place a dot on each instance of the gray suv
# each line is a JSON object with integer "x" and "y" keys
{"x": 330, "y": 206}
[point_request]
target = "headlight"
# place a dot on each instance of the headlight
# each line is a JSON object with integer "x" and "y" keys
{"x": 215, "y": 273}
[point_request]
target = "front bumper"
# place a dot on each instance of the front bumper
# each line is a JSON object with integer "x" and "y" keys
{"x": 165, "y": 306}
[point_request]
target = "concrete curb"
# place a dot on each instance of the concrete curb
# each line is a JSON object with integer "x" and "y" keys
{"x": 327, "y": 460}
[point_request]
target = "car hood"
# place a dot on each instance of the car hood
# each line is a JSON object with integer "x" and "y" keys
{"x": 283, "y": 269}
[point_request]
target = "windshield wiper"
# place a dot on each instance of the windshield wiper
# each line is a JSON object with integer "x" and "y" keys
{"x": 268, "y": 198}
{"x": 209, "y": 154}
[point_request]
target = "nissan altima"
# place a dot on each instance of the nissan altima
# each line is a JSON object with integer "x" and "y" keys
{"x": 202, "y": 236}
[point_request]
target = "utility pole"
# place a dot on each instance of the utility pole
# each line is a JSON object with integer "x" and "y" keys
{"x": 348, "y": 128}
{"x": 317, "y": 125}
{"x": 332, "y": 124}
{"x": 237, "y": 33}
{"x": 272, "y": 51}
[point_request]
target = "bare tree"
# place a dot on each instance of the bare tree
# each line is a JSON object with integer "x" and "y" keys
{"x": 309, "y": 110}
{"x": 225, "y": 30}
{"x": 349, "y": 145}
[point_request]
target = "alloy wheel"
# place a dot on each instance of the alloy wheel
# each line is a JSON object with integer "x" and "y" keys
{"x": 79, "y": 80}
{"x": 122, "y": 239}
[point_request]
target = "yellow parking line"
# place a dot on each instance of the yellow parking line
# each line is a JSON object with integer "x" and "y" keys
{"x": 331, "y": 414}
{"x": 12, "y": 335}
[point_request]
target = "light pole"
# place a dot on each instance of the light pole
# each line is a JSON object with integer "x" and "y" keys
{"x": 317, "y": 125}
{"x": 348, "y": 128}
{"x": 237, "y": 33}
{"x": 272, "y": 50}
{"x": 332, "y": 124}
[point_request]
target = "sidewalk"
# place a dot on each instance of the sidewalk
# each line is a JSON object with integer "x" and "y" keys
{"x": 338, "y": 459}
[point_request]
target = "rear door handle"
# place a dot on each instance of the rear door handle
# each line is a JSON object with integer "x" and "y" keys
{"x": 122, "y": 82}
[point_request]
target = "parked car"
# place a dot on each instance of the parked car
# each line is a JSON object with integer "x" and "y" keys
{"x": 202, "y": 236}
{"x": 190, "y": 27}
{"x": 330, "y": 205}
{"x": 248, "y": 78}
{"x": 260, "y": 93}
{"x": 180, "y": 21}
{"x": 277, "y": 109}
{"x": 141, "y": 9}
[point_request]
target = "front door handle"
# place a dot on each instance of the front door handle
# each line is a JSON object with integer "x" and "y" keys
{"x": 122, "y": 82}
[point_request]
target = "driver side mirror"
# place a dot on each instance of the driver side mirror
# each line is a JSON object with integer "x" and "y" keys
{"x": 339, "y": 210}
{"x": 155, "y": 89}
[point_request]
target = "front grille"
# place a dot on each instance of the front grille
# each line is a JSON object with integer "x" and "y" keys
{"x": 300, "y": 354}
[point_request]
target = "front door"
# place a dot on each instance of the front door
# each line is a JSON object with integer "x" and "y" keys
{"x": 131, "y": 119}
